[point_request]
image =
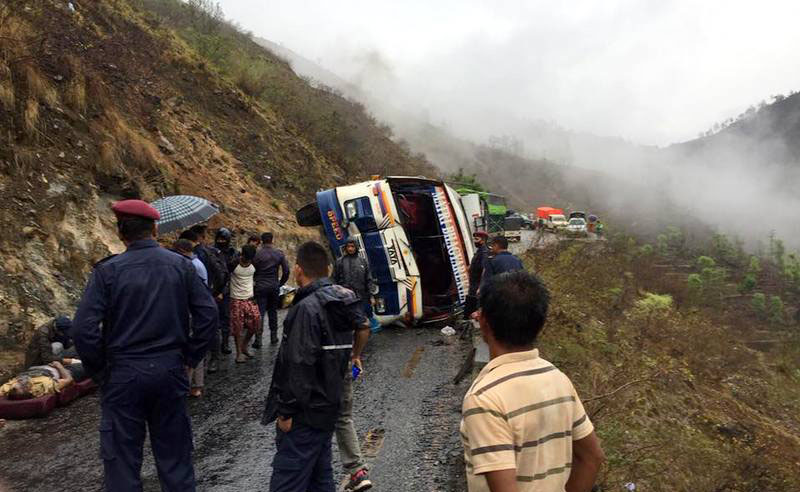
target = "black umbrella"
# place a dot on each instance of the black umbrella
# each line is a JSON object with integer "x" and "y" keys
{"x": 182, "y": 211}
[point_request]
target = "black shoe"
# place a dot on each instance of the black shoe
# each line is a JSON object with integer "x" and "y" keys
{"x": 225, "y": 350}
{"x": 273, "y": 338}
{"x": 256, "y": 345}
{"x": 213, "y": 366}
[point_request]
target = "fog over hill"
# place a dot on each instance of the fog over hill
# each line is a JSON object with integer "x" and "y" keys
{"x": 741, "y": 179}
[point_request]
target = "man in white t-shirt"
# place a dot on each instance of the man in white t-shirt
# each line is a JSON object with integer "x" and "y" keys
{"x": 245, "y": 317}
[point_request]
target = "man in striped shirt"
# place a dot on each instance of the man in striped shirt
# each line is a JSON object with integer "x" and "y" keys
{"x": 523, "y": 426}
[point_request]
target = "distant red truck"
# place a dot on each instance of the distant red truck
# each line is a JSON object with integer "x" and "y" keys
{"x": 546, "y": 212}
{"x": 550, "y": 218}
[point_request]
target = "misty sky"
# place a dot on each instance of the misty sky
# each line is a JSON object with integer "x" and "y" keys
{"x": 652, "y": 72}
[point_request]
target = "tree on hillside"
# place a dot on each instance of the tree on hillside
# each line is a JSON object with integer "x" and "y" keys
{"x": 462, "y": 180}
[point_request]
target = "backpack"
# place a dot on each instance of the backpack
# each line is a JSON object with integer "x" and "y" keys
{"x": 218, "y": 274}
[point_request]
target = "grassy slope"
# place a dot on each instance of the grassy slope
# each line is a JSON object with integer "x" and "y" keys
{"x": 111, "y": 101}
{"x": 678, "y": 398}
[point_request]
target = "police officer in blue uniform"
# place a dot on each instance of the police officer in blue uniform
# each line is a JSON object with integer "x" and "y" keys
{"x": 132, "y": 333}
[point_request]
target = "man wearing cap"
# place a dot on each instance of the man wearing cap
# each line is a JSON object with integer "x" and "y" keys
{"x": 475, "y": 272}
{"x": 132, "y": 332}
{"x": 222, "y": 241}
{"x": 352, "y": 271}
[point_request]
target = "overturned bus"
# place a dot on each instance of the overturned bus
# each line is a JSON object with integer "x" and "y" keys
{"x": 415, "y": 235}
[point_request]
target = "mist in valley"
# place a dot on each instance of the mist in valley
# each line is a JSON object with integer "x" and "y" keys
{"x": 604, "y": 101}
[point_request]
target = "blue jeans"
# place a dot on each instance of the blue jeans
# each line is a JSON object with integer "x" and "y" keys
{"x": 303, "y": 461}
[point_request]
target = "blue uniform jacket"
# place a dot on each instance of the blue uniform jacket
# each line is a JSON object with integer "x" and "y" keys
{"x": 500, "y": 263}
{"x": 138, "y": 305}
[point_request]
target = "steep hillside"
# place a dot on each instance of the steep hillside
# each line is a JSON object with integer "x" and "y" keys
{"x": 105, "y": 100}
{"x": 770, "y": 133}
{"x": 688, "y": 390}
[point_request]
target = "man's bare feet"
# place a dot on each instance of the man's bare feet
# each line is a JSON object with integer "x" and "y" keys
{"x": 196, "y": 392}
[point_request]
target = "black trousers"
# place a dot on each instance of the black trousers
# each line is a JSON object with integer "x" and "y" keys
{"x": 303, "y": 461}
{"x": 470, "y": 305}
{"x": 268, "y": 302}
{"x": 146, "y": 395}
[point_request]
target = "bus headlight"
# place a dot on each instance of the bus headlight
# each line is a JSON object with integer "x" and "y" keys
{"x": 380, "y": 305}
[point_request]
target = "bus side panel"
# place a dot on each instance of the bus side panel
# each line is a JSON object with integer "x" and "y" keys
{"x": 464, "y": 222}
{"x": 332, "y": 218}
{"x": 388, "y": 289}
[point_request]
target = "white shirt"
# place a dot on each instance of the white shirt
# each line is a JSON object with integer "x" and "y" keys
{"x": 242, "y": 282}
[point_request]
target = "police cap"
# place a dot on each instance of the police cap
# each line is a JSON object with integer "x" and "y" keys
{"x": 135, "y": 208}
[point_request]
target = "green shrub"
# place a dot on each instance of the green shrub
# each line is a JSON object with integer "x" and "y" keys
{"x": 695, "y": 283}
{"x": 675, "y": 239}
{"x": 755, "y": 265}
{"x": 706, "y": 262}
{"x": 252, "y": 79}
{"x": 663, "y": 244}
{"x": 614, "y": 294}
{"x": 759, "y": 305}
{"x": 777, "y": 251}
{"x": 776, "y": 310}
{"x": 728, "y": 252}
{"x": 646, "y": 250}
{"x": 791, "y": 270}
{"x": 713, "y": 278}
{"x": 652, "y": 305}
{"x": 748, "y": 283}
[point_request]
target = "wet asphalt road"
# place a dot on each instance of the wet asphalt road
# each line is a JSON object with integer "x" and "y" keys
{"x": 406, "y": 410}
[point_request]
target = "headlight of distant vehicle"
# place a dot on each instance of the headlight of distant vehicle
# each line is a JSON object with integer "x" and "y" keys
{"x": 380, "y": 305}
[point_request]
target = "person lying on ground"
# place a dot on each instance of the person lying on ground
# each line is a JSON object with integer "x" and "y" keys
{"x": 51, "y": 342}
{"x": 37, "y": 381}
{"x": 523, "y": 425}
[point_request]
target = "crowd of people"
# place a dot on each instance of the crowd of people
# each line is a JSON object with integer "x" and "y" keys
{"x": 153, "y": 320}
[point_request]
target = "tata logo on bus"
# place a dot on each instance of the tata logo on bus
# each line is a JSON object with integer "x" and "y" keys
{"x": 337, "y": 229}
{"x": 392, "y": 251}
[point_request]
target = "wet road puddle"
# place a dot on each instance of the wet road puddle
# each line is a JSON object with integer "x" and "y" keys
{"x": 413, "y": 362}
{"x": 373, "y": 442}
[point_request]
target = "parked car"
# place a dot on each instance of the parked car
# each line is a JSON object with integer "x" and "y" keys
{"x": 577, "y": 215}
{"x": 524, "y": 221}
{"x": 576, "y": 227}
{"x": 555, "y": 223}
